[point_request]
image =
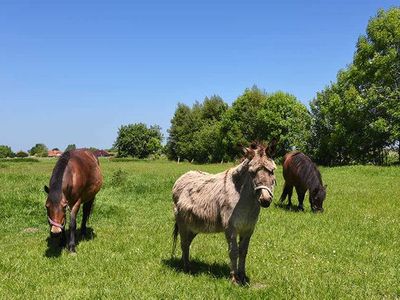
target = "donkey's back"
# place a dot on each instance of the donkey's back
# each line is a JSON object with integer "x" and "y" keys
{"x": 198, "y": 197}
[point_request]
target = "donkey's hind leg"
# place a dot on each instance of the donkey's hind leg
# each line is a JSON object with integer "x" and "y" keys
{"x": 187, "y": 237}
{"x": 87, "y": 208}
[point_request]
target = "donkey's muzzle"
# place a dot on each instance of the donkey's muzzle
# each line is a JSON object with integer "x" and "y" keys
{"x": 265, "y": 203}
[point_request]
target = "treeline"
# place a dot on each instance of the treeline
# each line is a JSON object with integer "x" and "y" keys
{"x": 354, "y": 120}
{"x": 212, "y": 131}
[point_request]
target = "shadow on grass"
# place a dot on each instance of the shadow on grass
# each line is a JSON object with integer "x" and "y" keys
{"x": 55, "y": 244}
{"x": 197, "y": 267}
{"x": 288, "y": 207}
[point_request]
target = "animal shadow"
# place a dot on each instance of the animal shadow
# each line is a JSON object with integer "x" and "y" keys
{"x": 288, "y": 207}
{"x": 55, "y": 244}
{"x": 216, "y": 270}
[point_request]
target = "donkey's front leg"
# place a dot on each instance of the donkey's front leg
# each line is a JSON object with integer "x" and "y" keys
{"x": 243, "y": 247}
{"x": 231, "y": 237}
{"x": 72, "y": 226}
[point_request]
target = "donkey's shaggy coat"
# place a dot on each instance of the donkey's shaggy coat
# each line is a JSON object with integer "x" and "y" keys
{"x": 229, "y": 201}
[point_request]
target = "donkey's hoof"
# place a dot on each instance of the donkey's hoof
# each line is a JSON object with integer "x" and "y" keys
{"x": 72, "y": 249}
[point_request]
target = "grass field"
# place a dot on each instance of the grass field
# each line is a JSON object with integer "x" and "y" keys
{"x": 351, "y": 251}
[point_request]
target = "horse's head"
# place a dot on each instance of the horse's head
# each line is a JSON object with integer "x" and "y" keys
{"x": 317, "y": 197}
{"x": 56, "y": 209}
{"x": 261, "y": 170}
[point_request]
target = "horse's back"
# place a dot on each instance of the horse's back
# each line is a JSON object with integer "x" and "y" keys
{"x": 82, "y": 178}
{"x": 293, "y": 163}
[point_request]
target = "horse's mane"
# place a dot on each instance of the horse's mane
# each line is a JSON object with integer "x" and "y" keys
{"x": 57, "y": 177}
{"x": 307, "y": 169}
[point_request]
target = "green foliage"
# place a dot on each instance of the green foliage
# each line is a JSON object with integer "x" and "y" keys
{"x": 70, "y": 147}
{"x": 195, "y": 132}
{"x": 351, "y": 251}
{"x": 39, "y": 150}
{"x": 21, "y": 154}
{"x": 5, "y": 151}
{"x": 138, "y": 140}
{"x": 256, "y": 115}
{"x": 358, "y": 117}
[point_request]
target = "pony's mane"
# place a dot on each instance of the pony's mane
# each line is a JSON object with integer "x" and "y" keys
{"x": 307, "y": 169}
{"x": 57, "y": 177}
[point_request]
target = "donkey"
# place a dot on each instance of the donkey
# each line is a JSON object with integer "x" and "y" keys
{"x": 299, "y": 171}
{"x": 226, "y": 202}
{"x": 75, "y": 180}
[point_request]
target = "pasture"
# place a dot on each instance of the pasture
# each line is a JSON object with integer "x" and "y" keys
{"x": 352, "y": 250}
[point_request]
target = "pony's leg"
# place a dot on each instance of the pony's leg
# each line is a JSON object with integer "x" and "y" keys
{"x": 231, "y": 237}
{"x": 87, "y": 208}
{"x": 300, "y": 196}
{"x": 290, "y": 193}
{"x": 284, "y": 193}
{"x": 243, "y": 247}
{"x": 186, "y": 239}
{"x": 72, "y": 226}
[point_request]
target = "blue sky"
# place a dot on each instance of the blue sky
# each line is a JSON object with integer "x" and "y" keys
{"x": 74, "y": 71}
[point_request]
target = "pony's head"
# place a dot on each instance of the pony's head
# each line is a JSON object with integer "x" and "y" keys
{"x": 56, "y": 211}
{"x": 261, "y": 168}
{"x": 317, "y": 197}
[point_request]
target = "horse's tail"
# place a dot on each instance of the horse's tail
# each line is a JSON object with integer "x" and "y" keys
{"x": 174, "y": 238}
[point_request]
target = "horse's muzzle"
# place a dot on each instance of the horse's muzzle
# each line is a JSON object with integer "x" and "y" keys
{"x": 265, "y": 203}
{"x": 54, "y": 230}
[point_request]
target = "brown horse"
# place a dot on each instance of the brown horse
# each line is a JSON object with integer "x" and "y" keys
{"x": 76, "y": 179}
{"x": 226, "y": 202}
{"x": 299, "y": 171}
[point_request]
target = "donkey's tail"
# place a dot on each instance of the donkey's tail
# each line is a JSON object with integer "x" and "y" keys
{"x": 174, "y": 238}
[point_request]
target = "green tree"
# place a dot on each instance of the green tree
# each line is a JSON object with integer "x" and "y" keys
{"x": 256, "y": 115}
{"x": 358, "y": 117}
{"x": 39, "y": 150}
{"x": 5, "y": 151}
{"x": 195, "y": 132}
{"x": 70, "y": 147}
{"x": 138, "y": 140}
{"x": 21, "y": 154}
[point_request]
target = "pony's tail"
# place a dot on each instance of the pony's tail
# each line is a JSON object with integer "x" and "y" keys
{"x": 174, "y": 238}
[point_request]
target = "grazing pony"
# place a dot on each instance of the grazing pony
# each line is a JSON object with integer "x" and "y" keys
{"x": 299, "y": 171}
{"x": 76, "y": 179}
{"x": 229, "y": 201}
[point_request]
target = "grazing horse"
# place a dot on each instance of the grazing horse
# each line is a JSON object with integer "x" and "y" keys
{"x": 226, "y": 202}
{"x": 76, "y": 179}
{"x": 299, "y": 171}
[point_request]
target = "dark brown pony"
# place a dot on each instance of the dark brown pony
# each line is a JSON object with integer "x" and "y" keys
{"x": 76, "y": 179}
{"x": 300, "y": 172}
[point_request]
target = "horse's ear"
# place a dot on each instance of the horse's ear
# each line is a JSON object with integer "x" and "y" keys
{"x": 249, "y": 153}
{"x": 46, "y": 189}
{"x": 271, "y": 149}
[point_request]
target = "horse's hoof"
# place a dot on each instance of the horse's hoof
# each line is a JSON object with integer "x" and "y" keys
{"x": 300, "y": 208}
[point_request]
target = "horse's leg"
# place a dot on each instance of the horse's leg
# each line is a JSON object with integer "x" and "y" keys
{"x": 290, "y": 193}
{"x": 186, "y": 239}
{"x": 231, "y": 237}
{"x": 72, "y": 226}
{"x": 300, "y": 196}
{"x": 243, "y": 246}
{"x": 87, "y": 208}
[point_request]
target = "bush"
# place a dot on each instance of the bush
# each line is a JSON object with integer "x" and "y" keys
{"x": 5, "y": 151}
{"x": 21, "y": 154}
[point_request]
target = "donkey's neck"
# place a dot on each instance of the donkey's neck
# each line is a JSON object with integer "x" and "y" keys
{"x": 240, "y": 176}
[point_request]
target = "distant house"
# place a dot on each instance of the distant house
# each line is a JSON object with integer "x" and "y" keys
{"x": 54, "y": 153}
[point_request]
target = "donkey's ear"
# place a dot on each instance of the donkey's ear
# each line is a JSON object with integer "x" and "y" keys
{"x": 249, "y": 153}
{"x": 271, "y": 149}
{"x": 46, "y": 189}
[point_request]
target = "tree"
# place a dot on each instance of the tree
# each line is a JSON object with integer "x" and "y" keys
{"x": 5, "y": 151}
{"x": 256, "y": 115}
{"x": 195, "y": 132}
{"x": 357, "y": 117}
{"x": 138, "y": 140}
{"x": 70, "y": 147}
{"x": 21, "y": 154}
{"x": 39, "y": 150}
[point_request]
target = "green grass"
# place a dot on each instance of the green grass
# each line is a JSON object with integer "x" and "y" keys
{"x": 351, "y": 251}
